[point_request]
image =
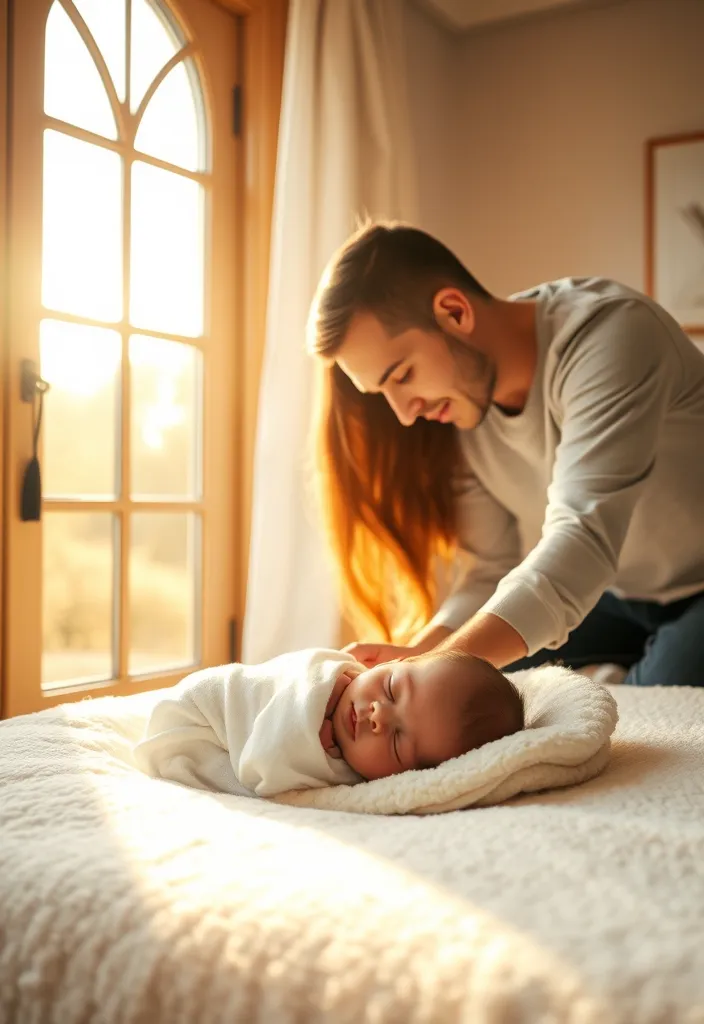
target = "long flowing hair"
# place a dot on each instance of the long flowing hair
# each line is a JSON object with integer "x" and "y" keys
{"x": 386, "y": 491}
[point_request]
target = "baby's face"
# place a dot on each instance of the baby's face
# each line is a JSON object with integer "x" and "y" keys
{"x": 399, "y": 716}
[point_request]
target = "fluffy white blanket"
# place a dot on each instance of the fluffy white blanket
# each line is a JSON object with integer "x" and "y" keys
{"x": 569, "y": 720}
{"x": 253, "y": 729}
{"x": 129, "y": 900}
{"x": 248, "y": 729}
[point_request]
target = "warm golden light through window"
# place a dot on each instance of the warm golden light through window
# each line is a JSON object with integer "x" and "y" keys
{"x": 170, "y": 127}
{"x": 106, "y": 20}
{"x": 153, "y": 43}
{"x": 166, "y": 257}
{"x": 123, "y": 253}
{"x": 73, "y": 90}
{"x": 83, "y": 226}
{"x": 83, "y": 367}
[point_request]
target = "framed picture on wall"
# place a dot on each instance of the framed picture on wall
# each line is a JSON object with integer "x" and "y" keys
{"x": 675, "y": 227}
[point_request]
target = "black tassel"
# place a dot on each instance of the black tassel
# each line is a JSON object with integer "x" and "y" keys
{"x": 33, "y": 388}
{"x": 31, "y": 509}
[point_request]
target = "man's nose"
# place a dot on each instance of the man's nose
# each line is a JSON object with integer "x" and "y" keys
{"x": 407, "y": 409}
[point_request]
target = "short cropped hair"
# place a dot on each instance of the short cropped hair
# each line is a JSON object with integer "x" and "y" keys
{"x": 392, "y": 271}
{"x": 490, "y": 712}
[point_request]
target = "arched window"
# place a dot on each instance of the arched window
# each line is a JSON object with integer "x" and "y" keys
{"x": 136, "y": 339}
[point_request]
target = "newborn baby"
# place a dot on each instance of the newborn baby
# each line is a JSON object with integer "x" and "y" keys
{"x": 255, "y": 730}
{"x": 417, "y": 714}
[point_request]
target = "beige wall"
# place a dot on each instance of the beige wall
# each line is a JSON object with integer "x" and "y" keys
{"x": 548, "y": 118}
{"x": 431, "y": 53}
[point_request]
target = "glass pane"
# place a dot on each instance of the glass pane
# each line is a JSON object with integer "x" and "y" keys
{"x": 82, "y": 364}
{"x": 154, "y": 41}
{"x": 167, "y": 252}
{"x": 78, "y": 590}
{"x": 170, "y": 127}
{"x": 73, "y": 88}
{"x": 106, "y": 22}
{"x": 164, "y": 591}
{"x": 166, "y": 383}
{"x": 82, "y": 238}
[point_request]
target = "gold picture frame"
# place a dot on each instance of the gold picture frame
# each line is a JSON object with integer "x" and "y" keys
{"x": 675, "y": 227}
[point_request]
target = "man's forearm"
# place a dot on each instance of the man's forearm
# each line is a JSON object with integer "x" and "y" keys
{"x": 429, "y": 638}
{"x": 486, "y": 636}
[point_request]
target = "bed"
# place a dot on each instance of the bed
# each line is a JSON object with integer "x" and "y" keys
{"x": 130, "y": 900}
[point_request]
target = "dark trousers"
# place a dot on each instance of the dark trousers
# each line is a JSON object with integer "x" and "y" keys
{"x": 660, "y": 645}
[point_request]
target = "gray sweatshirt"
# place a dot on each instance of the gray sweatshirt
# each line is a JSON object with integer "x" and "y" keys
{"x": 598, "y": 484}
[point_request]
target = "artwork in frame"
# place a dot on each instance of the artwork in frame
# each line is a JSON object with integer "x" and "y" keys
{"x": 675, "y": 227}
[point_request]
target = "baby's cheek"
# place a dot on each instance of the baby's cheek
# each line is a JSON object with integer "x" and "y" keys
{"x": 368, "y": 760}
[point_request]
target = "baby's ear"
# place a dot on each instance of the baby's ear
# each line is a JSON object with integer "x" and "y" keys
{"x": 334, "y": 752}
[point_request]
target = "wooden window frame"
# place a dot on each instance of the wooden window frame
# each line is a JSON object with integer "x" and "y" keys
{"x": 260, "y": 70}
{"x": 4, "y": 359}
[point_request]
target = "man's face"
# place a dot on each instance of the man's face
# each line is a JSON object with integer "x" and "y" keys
{"x": 400, "y": 716}
{"x": 434, "y": 374}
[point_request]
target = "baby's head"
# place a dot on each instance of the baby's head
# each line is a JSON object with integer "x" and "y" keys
{"x": 419, "y": 713}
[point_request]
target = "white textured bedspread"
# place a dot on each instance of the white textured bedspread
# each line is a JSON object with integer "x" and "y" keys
{"x": 129, "y": 900}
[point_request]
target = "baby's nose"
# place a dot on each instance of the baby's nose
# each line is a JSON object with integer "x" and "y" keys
{"x": 378, "y": 716}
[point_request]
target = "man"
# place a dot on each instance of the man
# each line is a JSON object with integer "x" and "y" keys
{"x": 579, "y": 408}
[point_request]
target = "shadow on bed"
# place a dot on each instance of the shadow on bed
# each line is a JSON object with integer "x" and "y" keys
{"x": 132, "y": 900}
{"x": 127, "y": 899}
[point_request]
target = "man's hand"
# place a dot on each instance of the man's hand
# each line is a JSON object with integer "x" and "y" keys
{"x": 486, "y": 636}
{"x": 378, "y": 654}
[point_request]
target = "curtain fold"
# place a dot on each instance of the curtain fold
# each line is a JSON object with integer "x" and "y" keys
{"x": 344, "y": 152}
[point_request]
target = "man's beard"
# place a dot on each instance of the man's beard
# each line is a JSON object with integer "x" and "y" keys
{"x": 475, "y": 375}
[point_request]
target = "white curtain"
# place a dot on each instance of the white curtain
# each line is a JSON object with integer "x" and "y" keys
{"x": 344, "y": 152}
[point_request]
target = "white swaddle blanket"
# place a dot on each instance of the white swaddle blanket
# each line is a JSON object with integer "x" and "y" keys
{"x": 254, "y": 730}
{"x": 248, "y": 729}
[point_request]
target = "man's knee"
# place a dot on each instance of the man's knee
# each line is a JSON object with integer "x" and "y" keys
{"x": 674, "y": 655}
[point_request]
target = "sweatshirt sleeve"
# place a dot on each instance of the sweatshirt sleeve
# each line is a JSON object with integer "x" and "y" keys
{"x": 487, "y": 532}
{"x": 613, "y": 386}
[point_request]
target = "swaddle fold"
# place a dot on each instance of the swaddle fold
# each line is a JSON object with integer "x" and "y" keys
{"x": 248, "y": 729}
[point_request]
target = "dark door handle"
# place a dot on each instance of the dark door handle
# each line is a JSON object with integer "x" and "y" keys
{"x": 32, "y": 389}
